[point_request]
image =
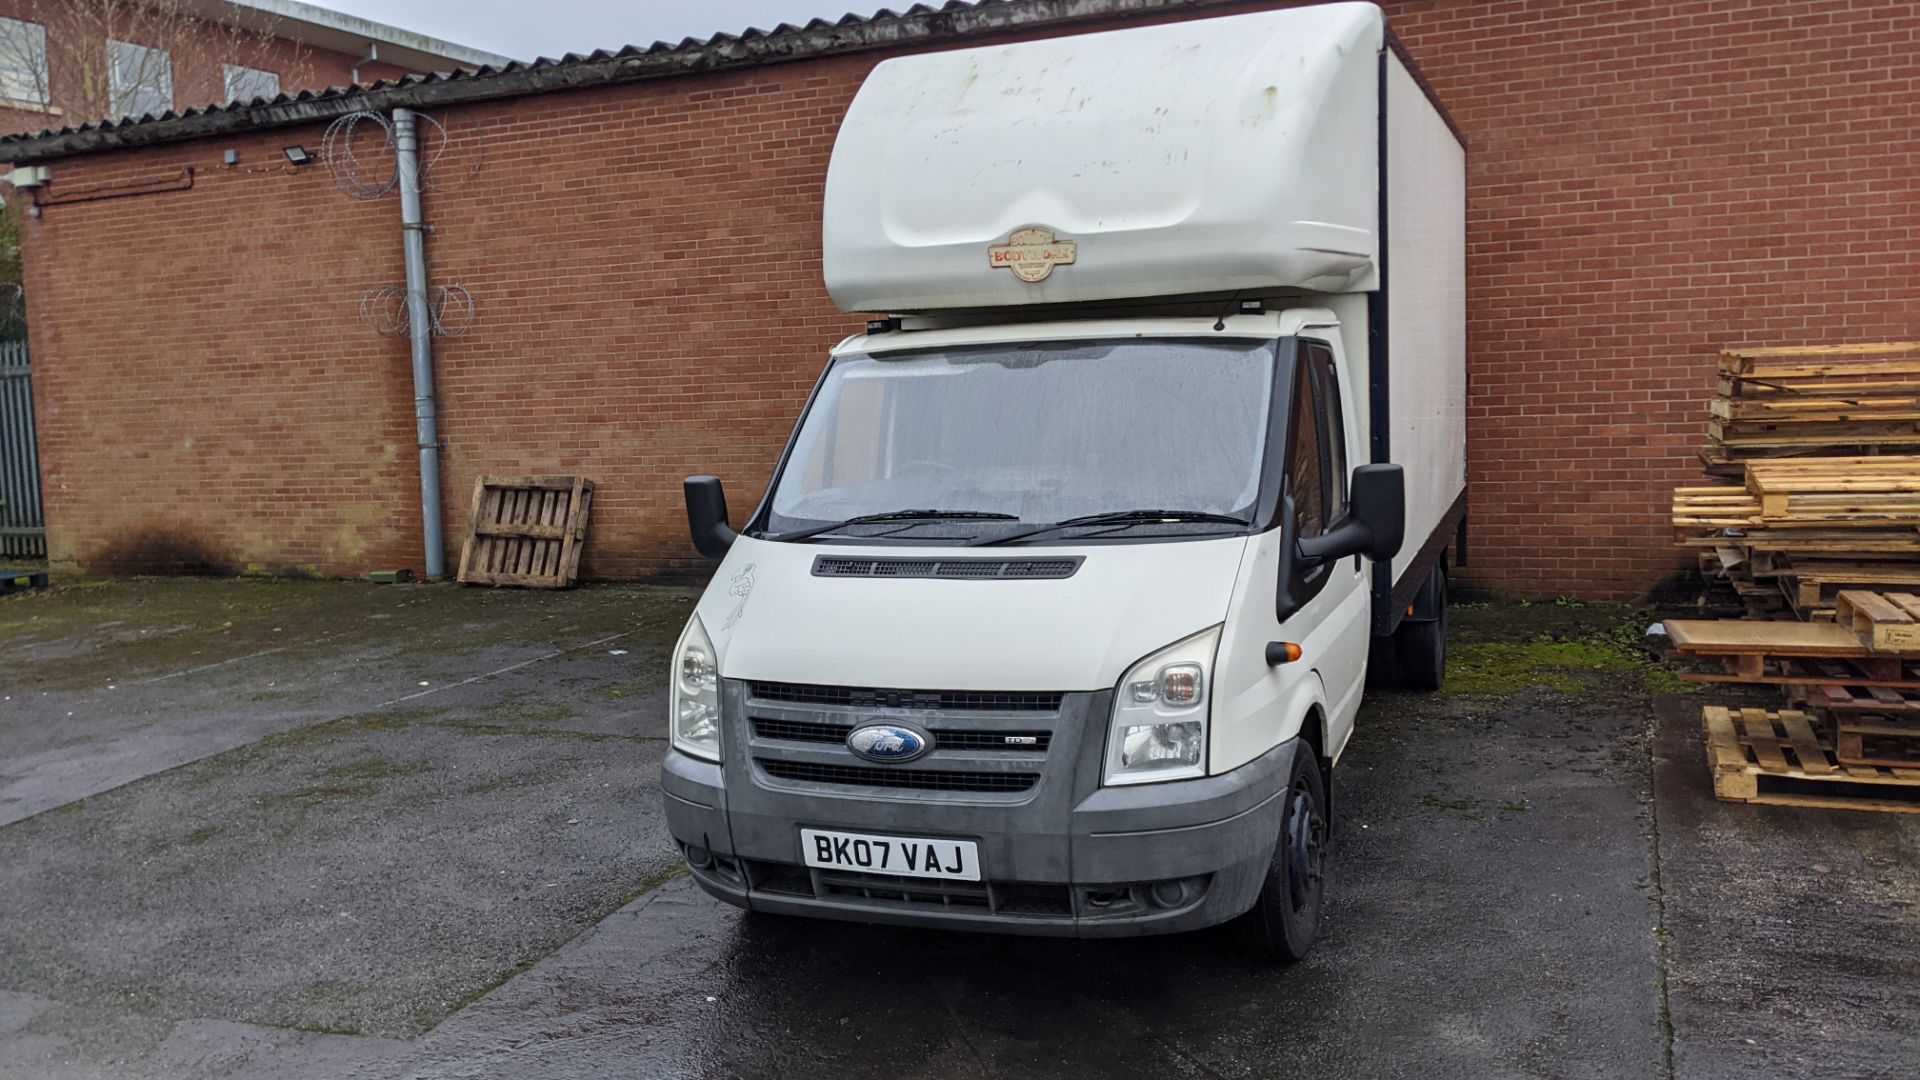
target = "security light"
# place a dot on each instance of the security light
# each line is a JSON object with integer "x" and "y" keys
{"x": 298, "y": 155}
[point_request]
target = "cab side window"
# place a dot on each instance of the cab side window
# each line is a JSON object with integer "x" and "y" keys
{"x": 1316, "y": 460}
{"x": 1306, "y": 464}
{"x": 1333, "y": 429}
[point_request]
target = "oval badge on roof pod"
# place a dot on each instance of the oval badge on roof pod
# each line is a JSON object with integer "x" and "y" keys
{"x": 891, "y": 743}
{"x": 1032, "y": 254}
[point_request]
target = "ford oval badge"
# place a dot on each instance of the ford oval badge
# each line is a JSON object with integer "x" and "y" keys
{"x": 888, "y": 742}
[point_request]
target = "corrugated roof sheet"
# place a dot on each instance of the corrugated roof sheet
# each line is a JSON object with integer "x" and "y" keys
{"x": 785, "y": 42}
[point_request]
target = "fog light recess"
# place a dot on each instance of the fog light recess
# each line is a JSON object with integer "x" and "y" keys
{"x": 1168, "y": 894}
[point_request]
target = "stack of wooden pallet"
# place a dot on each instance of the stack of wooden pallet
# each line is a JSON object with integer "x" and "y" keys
{"x": 1801, "y": 529}
{"x": 1852, "y": 738}
{"x": 1833, "y": 400}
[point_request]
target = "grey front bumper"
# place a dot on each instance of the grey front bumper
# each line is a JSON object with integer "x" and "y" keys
{"x": 1070, "y": 858}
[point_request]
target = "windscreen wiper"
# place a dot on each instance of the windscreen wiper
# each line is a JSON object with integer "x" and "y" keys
{"x": 1116, "y": 517}
{"x": 894, "y": 515}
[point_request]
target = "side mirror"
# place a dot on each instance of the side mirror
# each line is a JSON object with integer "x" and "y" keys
{"x": 707, "y": 515}
{"x": 1376, "y": 522}
{"x": 1284, "y": 604}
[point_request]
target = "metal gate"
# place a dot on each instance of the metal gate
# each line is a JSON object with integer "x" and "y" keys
{"x": 23, "y": 531}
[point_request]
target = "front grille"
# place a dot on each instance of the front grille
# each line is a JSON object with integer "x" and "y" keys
{"x": 795, "y": 731}
{"x": 1032, "y": 741}
{"x": 854, "y": 697}
{"x": 891, "y": 891}
{"x": 943, "y": 738}
{"x": 922, "y": 779}
{"x": 968, "y": 569}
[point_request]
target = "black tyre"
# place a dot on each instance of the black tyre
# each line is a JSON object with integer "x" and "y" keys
{"x": 1420, "y": 649}
{"x": 1285, "y": 920}
{"x": 1383, "y": 663}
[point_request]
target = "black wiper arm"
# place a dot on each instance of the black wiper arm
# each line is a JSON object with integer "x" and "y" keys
{"x": 895, "y": 515}
{"x": 1116, "y": 517}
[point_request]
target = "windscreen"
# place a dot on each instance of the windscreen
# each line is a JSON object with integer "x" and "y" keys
{"x": 1041, "y": 432}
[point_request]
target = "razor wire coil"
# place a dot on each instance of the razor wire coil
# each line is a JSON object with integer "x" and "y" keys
{"x": 370, "y": 172}
{"x": 450, "y": 310}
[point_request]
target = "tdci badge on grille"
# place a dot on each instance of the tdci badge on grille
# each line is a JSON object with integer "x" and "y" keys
{"x": 890, "y": 743}
{"x": 1032, "y": 254}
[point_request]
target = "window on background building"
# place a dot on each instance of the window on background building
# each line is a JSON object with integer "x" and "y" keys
{"x": 23, "y": 61}
{"x": 139, "y": 78}
{"x": 246, "y": 84}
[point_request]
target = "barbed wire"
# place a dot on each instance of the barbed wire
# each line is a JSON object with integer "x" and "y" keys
{"x": 472, "y": 141}
{"x": 450, "y": 310}
{"x": 362, "y": 176}
{"x": 344, "y": 163}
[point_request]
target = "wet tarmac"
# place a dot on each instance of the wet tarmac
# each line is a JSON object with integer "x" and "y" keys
{"x": 334, "y": 876}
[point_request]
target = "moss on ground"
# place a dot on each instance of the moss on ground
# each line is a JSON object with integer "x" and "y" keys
{"x": 375, "y": 767}
{"x": 88, "y": 634}
{"x": 1565, "y": 648}
{"x": 1508, "y": 668}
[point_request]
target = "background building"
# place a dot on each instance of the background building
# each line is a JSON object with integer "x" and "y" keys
{"x": 639, "y": 233}
{"x": 64, "y": 62}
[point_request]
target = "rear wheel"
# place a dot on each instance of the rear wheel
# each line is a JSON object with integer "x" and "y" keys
{"x": 1420, "y": 648}
{"x": 1285, "y": 920}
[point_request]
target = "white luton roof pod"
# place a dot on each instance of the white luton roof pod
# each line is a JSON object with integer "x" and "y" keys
{"x": 1210, "y": 157}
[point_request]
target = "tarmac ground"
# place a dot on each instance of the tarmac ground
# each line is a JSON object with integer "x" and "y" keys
{"x": 330, "y": 829}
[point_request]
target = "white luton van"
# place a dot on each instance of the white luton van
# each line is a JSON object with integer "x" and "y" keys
{"x": 1057, "y": 611}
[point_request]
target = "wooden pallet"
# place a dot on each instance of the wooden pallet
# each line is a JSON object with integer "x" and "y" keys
{"x": 1725, "y": 462}
{"x": 1819, "y": 583}
{"x": 1778, "y": 759}
{"x": 1827, "y": 406}
{"x": 1877, "y": 741}
{"x": 1887, "y": 622}
{"x": 1828, "y": 398}
{"x": 1724, "y": 506}
{"x": 1793, "y": 671}
{"x": 1792, "y": 484}
{"x": 1848, "y": 699}
{"x": 1824, "y": 543}
{"x": 1789, "y": 654}
{"x": 1741, "y": 434}
{"x": 526, "y": 531}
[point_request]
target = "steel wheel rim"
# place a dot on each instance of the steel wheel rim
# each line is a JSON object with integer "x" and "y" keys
{"x": 1305, "y": 833}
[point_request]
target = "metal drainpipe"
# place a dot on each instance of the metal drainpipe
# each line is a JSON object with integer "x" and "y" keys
{"x": 406, "y": 143}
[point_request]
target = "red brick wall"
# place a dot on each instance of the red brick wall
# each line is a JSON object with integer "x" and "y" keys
{"x": 1649, "y": 181}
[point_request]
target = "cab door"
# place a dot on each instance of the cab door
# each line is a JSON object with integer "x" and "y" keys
{"x": 1331, "y": 618}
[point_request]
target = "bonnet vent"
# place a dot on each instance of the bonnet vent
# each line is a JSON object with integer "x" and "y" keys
{"x": 971, "y": 569}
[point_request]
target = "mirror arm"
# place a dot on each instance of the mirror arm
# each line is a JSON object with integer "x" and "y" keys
{"x": 1352, "y": 536}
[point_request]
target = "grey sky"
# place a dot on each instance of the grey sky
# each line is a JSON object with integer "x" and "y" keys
{"x": 528, "y": 28}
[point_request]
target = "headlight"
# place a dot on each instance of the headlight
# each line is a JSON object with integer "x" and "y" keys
{"x": 696, "y": 694}
{"x": 1159, "y": 725}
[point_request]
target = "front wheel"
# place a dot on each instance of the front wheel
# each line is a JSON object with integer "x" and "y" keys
{"x": 1285, "y": 920}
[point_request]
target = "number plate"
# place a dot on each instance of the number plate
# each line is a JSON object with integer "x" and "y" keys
{"x": 954, "y": 860}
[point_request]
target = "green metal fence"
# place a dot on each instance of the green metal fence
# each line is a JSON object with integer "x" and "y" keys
{"x": 23, "y": 531}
